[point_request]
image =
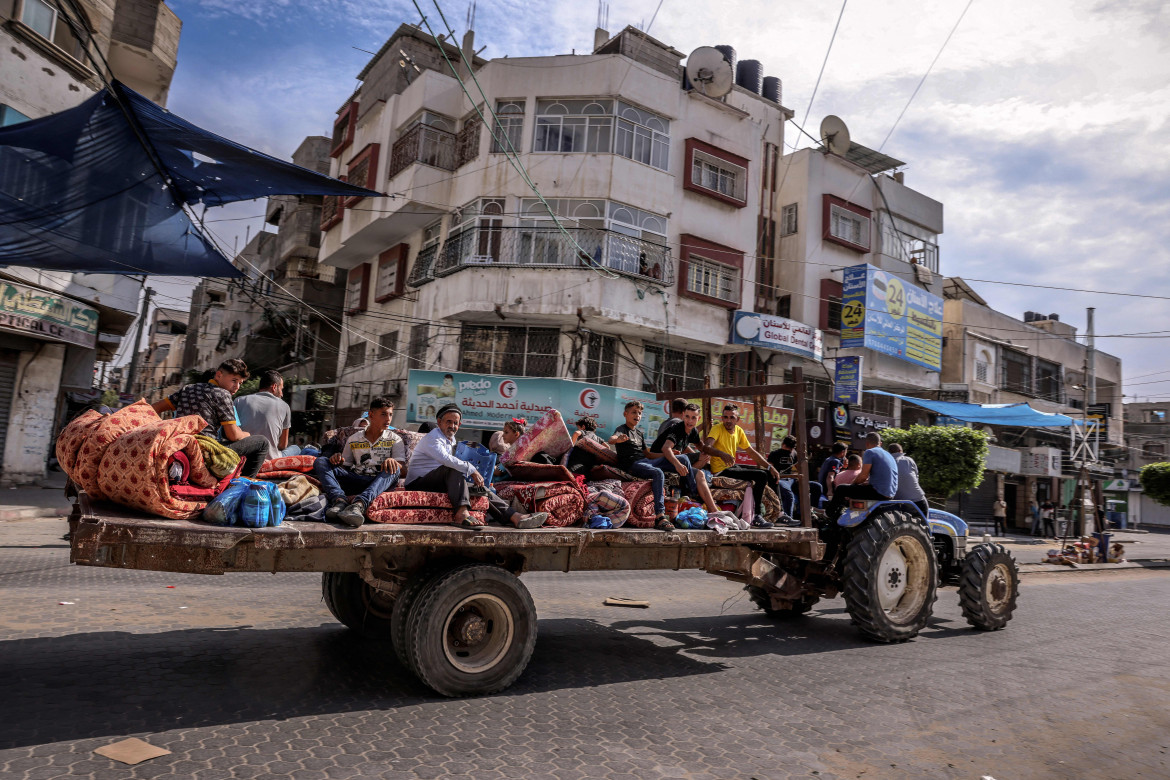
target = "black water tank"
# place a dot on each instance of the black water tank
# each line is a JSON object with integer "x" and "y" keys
{"x": 772, "y": 88}
{"x": 728, "y": 53}
{"x": 1054, "y": 317}
{"x": 749, "y": 74}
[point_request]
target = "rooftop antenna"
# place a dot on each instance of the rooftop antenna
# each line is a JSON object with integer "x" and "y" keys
{"x": 709, "y": 72}
{"x": 471, "y": 15}
{"x": 602, "y": 14}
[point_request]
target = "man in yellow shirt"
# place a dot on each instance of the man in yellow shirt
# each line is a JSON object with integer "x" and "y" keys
{"x": 729, "y": 437}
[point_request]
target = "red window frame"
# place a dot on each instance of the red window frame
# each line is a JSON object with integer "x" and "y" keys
{"x": 396, "y": 255}
{"x": 830, "y": 289}
{"x": 693, "y": 144}
{"x": 710, "y": 251}
{"x": 367, "y": 155}
{"x": 348, "y": 115}
{"x": 826, "y": 221}
{"x": 362, "y": 270}
{"x": 327, "y": 221}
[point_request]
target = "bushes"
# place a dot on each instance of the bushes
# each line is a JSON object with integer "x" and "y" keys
{"x": 1155, "y": 479}
{"x": 950, "y": 458}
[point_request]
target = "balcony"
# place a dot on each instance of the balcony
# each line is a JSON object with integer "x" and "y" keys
{"x": 541, "y": 247}
{"x": 423, "y": 144}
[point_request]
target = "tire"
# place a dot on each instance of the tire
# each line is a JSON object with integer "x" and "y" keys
{"x": 400, "y": 618}
{"x": 760, "y": 598}
{"x": 356, "y": 605}
{"x": 989, "y": 586}
{"x": 472, "y": 631}
{"x": 890, "y": 579}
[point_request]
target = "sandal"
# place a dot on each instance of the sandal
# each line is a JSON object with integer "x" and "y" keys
{"x": 662, "y": 523}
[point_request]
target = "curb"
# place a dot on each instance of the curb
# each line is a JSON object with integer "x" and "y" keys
{"x": 1049, "y": 568}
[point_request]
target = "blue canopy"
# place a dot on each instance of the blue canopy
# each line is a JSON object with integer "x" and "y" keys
{"x": 80, "y": 192}
{"x": 1019, "y": 415}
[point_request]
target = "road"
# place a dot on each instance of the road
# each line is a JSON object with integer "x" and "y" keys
{"x": 248, "y": 676}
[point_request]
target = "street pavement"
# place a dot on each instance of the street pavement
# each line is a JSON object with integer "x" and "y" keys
{"x": 248, "y": 676}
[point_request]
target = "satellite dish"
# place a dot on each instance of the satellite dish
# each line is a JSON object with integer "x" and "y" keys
{"x": 709, "y": 72}
{"x": 835, "y": 135}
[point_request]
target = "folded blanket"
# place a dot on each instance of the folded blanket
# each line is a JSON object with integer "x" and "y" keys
{"x": 310, "y": 509}
{"x": 101, "y": 434}
{"x": 548, "y": 497}
{"x": 297, "y": 489}
{"x": 420, "y": 516}
{"x": 133, "y": 470}
{"x": 419, "y": 507}
{"x": 597, "y": 448}
{"x": 301, "y": 464}
{"x": 548, "y": 434}
{"x": 640, "y": 494}
{"x": 219, "y": 458}
{"x": 610, "y": 503}
{"x": 73, "y": 436}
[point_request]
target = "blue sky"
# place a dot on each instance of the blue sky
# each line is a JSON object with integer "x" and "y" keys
{"x": 1044, "y": 127}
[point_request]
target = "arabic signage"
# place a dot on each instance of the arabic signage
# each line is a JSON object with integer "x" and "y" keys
{"x": 1040, "y": 461}
{"x": 847, "y": 380}
{"x": 851, "y": 425}
{"x": 881, "y": 312}
{"x": 46, "y": 315}
{"x": 1100, "y": 413}
{"x": 488, "y": 401}
{"x": 1003, "y": 459}
{"x": 777, "y": 423}
{"x": 778, "y": 333}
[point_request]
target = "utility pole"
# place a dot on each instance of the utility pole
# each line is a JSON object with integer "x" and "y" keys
{"x": 133, "y": 374}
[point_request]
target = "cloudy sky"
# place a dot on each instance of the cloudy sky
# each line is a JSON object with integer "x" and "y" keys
{"x": 1043, "y": 127}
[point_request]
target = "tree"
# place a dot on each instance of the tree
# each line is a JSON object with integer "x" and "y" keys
{"x": 950, "y": 458}
{"x": 1155, "y": 479}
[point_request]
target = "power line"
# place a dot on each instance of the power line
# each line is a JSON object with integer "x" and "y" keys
{"x": 824, "y": 62}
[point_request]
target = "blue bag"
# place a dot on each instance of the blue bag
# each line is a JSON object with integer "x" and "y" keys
{"x": 479, "y": 456}
{"x": 261, "y": 506}
{"x": 223, "y": 509}
{"x": 600, "y": 521}
{"x": 695, "y": 517}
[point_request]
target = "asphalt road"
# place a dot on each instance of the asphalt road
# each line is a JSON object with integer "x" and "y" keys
{"x": 248, "y": 676}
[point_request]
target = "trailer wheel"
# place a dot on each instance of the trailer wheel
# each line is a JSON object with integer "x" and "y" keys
{"x": 890, "y": 580}
{"x": 989, "y": 586}
{"x": 356, "y": 605}
{"x": 472, "y": 631}
{"x": 761, "y": 599}
{"x": 400, "y": 618}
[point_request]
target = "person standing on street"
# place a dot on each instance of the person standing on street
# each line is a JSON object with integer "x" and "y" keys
{"x": 999, "y": 516}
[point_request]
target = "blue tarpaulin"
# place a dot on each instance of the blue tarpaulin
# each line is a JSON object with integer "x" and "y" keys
{"x": 1019, "y": 415}
{"x": 80, "y": 192}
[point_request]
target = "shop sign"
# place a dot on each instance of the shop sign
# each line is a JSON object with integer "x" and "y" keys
{"x": 851, "y": 425}
{"x": 488, "y": 401}
{"x": 1118, "y": 485}
{"x": 1100, "y": 413}
{"x": 882, "y": 312}
{"x": 46, "y": 315}
{"x": 1002, "y": 459}
{"x": 1040, "y": 461}
{"x": 777, "y": 424}
{"x": 847, "y": 382}
{"x": 778, "y": 333}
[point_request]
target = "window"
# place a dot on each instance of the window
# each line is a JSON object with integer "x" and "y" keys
{"x": 599, "y": 359}
{"x": 846, "y": 224}
{"x": 391, "y": 278}
{"x": 355, "y": 355}
{"x": 710, "y": 272}
{"x": 1157, "y": 415}
{"x": 1048, "y": 381}
{"x": 741, "y": 368}
{"x": 424, "y": 263}
{"x": 712, "y": 280}
{"x": 831, "y": 294}
{"x": 41, "y": 17}
{"x": 467, "y": 141}
{"x": 509, "y": 126}
{"x": 388, "y": 345}
{"x": 788, "y": 220}
{"x": 602, "y": 126}
{"x": 1151, "y": 450}
{"x": 982, "y": 369}
{"x": 662, "y": 365}
{"x": 715, "y": 173}
{"x": 416, "y": 353}
{"x": 475, "y": 235}
{"x": 516, "y": 351}
{"x": 363, "y": 171}
{"x": 343, "y": 129}
{"x": 1016, "y": 372}
{"x": 356, "y": 286}
{"x": 10, "y": 116}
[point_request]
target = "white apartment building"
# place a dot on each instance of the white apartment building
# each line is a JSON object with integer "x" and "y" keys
{"x": 662, "y": 199}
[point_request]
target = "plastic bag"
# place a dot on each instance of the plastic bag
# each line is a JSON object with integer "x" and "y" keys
{"x": 223, "y": 509}
{"x": 695, "y": 517}
{"x": 261, "y": 506}
{"x": 600, "y": 521}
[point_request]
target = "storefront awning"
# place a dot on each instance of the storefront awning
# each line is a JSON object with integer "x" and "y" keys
{"x": 1017, "y": 415}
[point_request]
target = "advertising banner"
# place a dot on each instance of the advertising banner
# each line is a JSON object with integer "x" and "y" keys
{"x": 778, "y": 333}
{"x": 847, "y": 380}
{"x": 488, "y": 401}
{"x": 777, "y": 423}
{"x": 880, "y": 311}
{"x": 851, "y": 425}
{"x": 45, "y": 314}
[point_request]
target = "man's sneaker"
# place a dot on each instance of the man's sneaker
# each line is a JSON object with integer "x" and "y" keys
{"x": 334, "y": 510}
{"x": 759, "y": 522}
{"x": 354, "y": 514}
{"x": 534, "y": 520}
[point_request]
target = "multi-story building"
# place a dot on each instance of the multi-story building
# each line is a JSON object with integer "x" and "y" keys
{"x": 615, "y": 245}
{"x": 1147, "y": 440}
{"x": 47, "y": 361}
{"x": 993, "y": 358}
{"x": 160, "y": 364}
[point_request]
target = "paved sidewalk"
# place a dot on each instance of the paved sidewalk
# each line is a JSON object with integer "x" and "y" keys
{"x": 1149, "y": 546}
{"x": 46, "y": 499}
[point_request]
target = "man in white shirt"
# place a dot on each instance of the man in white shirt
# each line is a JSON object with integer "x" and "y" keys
{"x": 435, "y": 469}
{"x": 265, "y": 413}
{"x": 370, "y": 461}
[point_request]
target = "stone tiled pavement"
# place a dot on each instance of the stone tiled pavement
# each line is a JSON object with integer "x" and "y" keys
{"x": 247, "y": 676}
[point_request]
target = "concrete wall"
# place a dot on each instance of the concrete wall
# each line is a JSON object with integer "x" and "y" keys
{"x": 34, "y": 404}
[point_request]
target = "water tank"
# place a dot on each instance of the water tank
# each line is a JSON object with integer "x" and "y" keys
{"x": 1030, "y": 316}
{"x": 749, "y": 74}
{"x": 772, "y": 88}
{"x": 1054, "y": 317}
{"x": 728, "y": 53}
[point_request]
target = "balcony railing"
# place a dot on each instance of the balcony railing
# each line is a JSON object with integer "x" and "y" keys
{"x": 425, "y": 144}
{"x": 533, "y": 247}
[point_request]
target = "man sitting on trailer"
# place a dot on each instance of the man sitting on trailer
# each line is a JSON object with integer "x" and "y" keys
{"x": 435, "y": 469}
{"x": 669, "y": 449}
{"x": 877, "y": 480}
{"x": 212, "y": 400}
{"x": 370, "y": 461}
{"x": 730, "y": 438}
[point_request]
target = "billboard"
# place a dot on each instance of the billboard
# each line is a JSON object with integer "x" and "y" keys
{"x": 778, "y": 333}
{"x": 847, "y": 384}
{"x": 880, "y": 311}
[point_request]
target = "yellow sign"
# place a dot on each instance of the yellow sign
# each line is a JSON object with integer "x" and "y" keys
{"x": 853, "y": 314}
{"x": 895, "y": 298}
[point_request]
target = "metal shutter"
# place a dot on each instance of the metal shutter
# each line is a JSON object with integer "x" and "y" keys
{"x": 8, "y": 364}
